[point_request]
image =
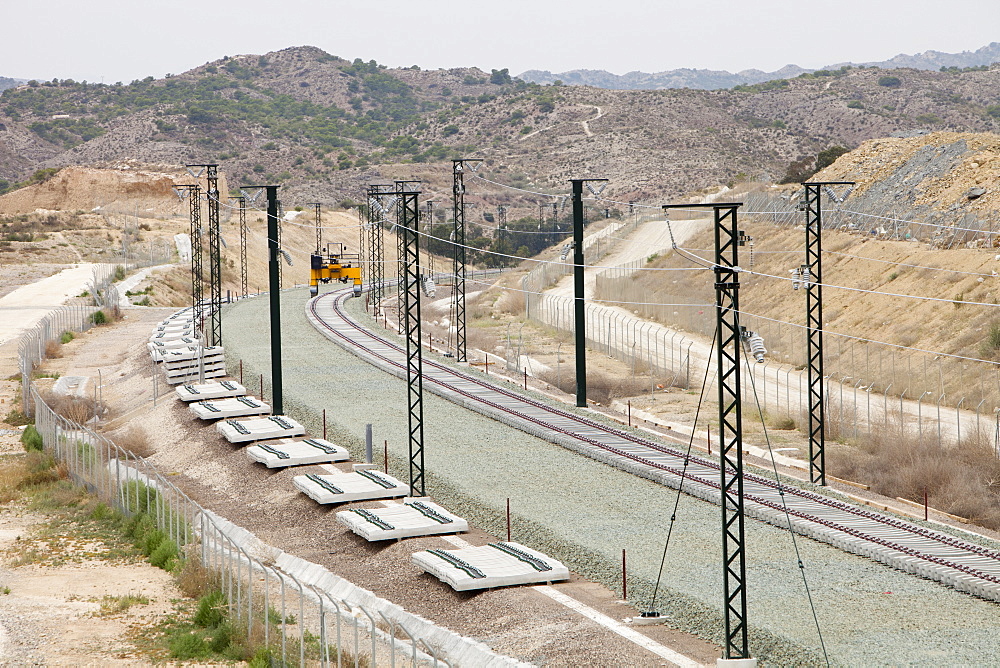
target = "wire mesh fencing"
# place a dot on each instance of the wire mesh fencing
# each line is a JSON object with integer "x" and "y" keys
{"x": 299, "y": 611}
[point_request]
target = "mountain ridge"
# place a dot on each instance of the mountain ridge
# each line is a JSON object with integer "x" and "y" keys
{"x": 705, "y": 79}
{"x": 323, "y": 126}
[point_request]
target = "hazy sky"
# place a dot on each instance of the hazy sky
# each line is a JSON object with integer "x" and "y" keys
{"x": 121, "y": 40}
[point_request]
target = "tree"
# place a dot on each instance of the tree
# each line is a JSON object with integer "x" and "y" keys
{"x": 889, "y": 81}
{"x": 500, "y": 77}
{"x": 828, "y": 156}
{"x": 799, "y": 171}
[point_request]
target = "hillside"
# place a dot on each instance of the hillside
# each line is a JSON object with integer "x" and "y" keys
{"x": 880, "y": 258}
{"x": 323, "y": 127}
{"x": 714, "y": 79}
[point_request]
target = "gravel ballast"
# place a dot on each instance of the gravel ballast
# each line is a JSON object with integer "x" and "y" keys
{"x": 584, "y": 513}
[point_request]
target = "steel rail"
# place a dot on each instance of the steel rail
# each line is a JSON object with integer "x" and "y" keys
{"x": 898, "y": 543}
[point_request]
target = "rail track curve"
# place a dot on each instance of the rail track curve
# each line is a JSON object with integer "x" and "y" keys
{"x": 907, "y": 546}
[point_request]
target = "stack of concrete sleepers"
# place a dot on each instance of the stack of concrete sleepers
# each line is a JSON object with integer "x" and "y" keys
{"x": 413, "y": 517}
{"x": 231, "y": 407}
{"x": 187, "y": 364}
{"x": 163, "y": 344}
{"x": 289, "y": 452}
{"x": 247, "y": 430}
{"x": 360, "y": 485}
{"x": 214, "y": 389}
{"x": 488, "y": 566}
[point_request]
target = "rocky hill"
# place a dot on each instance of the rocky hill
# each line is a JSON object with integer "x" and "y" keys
{"x": 323, "y": 126}
{"x": 715, "y": 79}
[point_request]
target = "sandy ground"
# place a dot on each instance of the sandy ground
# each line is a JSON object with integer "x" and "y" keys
{"x": 52, "y": 615}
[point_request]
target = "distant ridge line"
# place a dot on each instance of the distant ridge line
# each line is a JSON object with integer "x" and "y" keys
{"x": 715, "y": 79}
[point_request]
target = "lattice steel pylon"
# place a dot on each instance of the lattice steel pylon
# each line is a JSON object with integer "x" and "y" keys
{"x": 197, "y": 277}
{"x": 403, "y": 186}
{"x": 458, "y": 168}
{"x": 728, "y": 238}
{"x": 214, "y": 333}
{"x": 319, "y": 227}
{"x": 364, "y": 253}
{"x": 407, "y": 220}
{"x": 814, "y": 327}
{"x": 280, "y": 213}
{"x": 242, "y": 203}
{"x": 376, "y": 218}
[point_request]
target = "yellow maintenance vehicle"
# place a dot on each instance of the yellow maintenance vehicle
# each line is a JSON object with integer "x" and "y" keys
{"x": 334, "y": 265}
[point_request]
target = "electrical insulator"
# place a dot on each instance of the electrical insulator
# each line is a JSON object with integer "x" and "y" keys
{"x": 751, "y": 252}
{"x": 796, "y": 279}
{"x": 565, "y": 251}
{"x": 806, "y": 275}
{"x": 428, "y": 285}
{"x": 757, "y": 349}
{"x": 803, "y": 203}
{"x": 755, "y": 342}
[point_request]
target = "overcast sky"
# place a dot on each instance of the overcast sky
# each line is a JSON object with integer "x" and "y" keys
{"x": 122, "y": 40}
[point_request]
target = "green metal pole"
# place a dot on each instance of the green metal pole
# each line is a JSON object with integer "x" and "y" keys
{"x": 580, "y": 314}
{"x": 274, "y": 278}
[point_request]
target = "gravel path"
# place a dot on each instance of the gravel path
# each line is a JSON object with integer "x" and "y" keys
{"x": 585, "y": 513}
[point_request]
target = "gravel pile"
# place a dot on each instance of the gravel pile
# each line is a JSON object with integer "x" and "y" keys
{"x": 584, "y": 513}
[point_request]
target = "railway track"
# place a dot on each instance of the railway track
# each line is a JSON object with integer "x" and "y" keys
{"x": 907, "y": 546}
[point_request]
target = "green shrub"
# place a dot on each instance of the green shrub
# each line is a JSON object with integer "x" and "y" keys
{"x": 263, "y": 658}
{"x": 119, "y": 273}
{"x": 221, "y": 638}
{"x": 99, "y": 318}
{"x": 139, "y": 497}
{"x": 889, "y": 81}
{"x": 211, "y": 610}
{"x": 17, "y": 418}
{"x": 31, "y": 439}
{"x": 188, "y": 645}
{"x": 164, "y": 556}
{"x": 991, "y": 345}
{"x": 138, "y": 528}
{"x": 151, "y": 541}
{"x": 66, "y": 337}
{"x": 854, "y": 104}
{"x": 102, "y": 512}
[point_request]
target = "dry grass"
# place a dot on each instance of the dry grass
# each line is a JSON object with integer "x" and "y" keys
{"x": 76, "y": 409}
{"x": 194, "y": 579}
{"x": 134, "y": 439}
{"x": 601, "y": 387}
{"x": 963, "y": 480}
{"x": 53, "y": 349}
{"x": 116, "y": 605}
{"x": 22, "y": 473}
{"x": 512, "y": 302}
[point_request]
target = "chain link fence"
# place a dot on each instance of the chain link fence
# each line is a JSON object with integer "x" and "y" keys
{"x": 302, "y": 612}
